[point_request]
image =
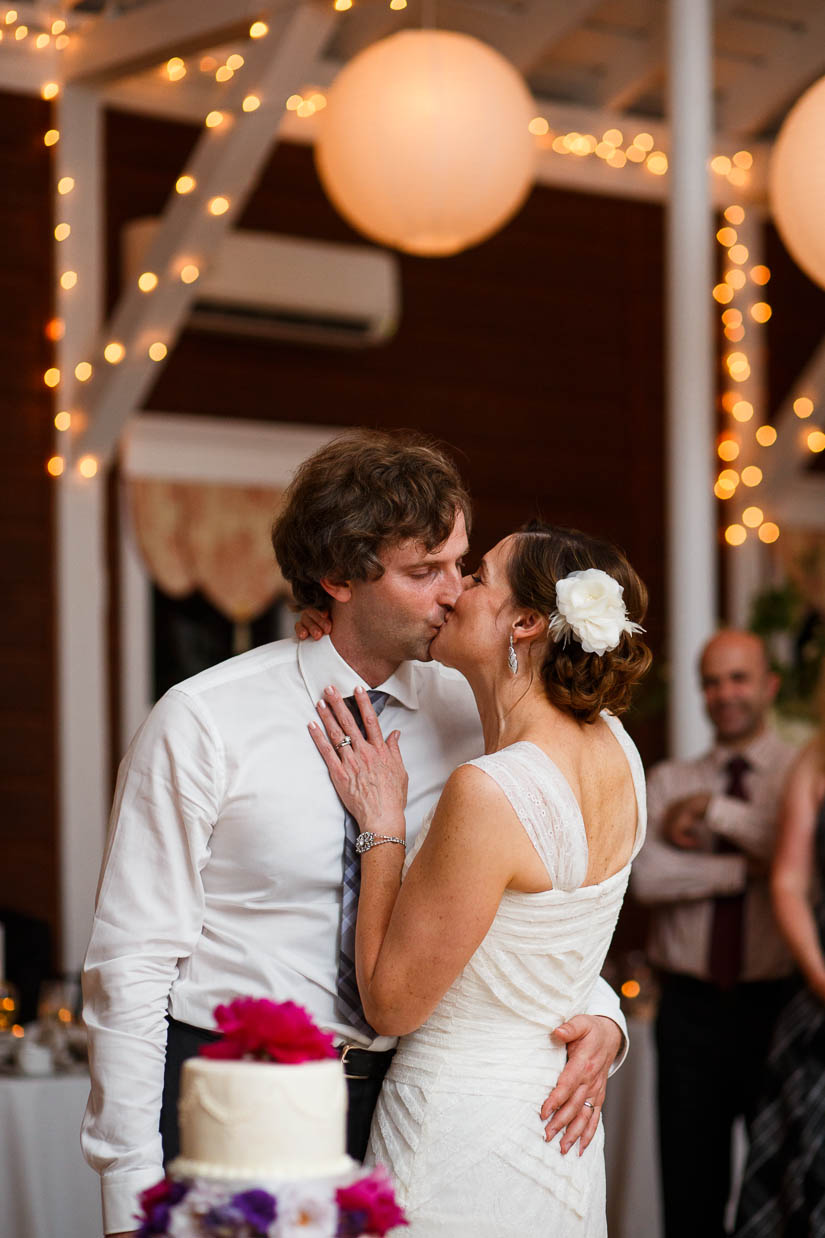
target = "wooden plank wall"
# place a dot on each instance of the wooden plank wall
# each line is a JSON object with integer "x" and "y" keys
{"x": 28, "y": 844}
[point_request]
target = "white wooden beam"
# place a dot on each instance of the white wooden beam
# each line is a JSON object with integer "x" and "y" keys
{"x": 757, "y": 94}
{"x": 637, "y": 70}
{"x": 113, "y": 47}
{"x": 522, "y": 39}
{"x": 692, "y": 612}
{"x": 83, "y": 732}
{"x": 643, "y": 61}
{"x": 24, "y": 68}
{"x": 226, "y": 162}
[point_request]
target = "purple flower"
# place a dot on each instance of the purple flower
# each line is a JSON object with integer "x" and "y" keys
{"x": 258, "y": 1208}
{"x": 221, "y": 1221}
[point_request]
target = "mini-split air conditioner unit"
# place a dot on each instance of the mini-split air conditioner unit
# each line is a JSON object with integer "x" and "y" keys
{"x": 286, "y": 288}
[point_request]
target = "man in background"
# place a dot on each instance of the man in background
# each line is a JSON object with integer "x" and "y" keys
{"x": 724, "y": 967}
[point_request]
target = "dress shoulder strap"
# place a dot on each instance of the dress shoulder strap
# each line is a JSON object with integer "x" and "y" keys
{"x": 637, "y": 771}
{"x": 544, "y": 803}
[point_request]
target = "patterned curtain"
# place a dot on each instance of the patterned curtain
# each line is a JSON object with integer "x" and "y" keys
{"x": 213, "y": 538}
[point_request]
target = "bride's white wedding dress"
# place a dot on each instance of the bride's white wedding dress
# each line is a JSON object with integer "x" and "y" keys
{"x": 457, "y": 1122}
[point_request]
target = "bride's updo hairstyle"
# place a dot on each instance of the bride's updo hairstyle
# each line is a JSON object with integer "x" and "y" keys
{"x": 580, "y": 683}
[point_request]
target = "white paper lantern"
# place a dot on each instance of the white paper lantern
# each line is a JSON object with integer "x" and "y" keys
{"x": 424, "y": 142}
{"x": 797, "y": 182}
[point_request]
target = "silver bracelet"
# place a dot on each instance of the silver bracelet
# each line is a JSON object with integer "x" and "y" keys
{"x": 367, "y": 840}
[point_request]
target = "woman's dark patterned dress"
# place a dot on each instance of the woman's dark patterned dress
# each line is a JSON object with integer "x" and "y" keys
{"x": 783, "y": 1193}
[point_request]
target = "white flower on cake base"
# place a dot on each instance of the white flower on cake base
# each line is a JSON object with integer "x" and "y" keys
{"x": 305, "y": 1210}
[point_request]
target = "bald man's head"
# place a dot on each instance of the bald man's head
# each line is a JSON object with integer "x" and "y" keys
{"x": 738, "y": 685}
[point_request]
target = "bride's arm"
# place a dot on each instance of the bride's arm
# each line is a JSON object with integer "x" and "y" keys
{"x": 410, "y": 952}
{"x": 413, "y": 941}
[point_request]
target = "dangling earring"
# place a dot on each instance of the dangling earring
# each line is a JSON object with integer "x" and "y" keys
{"x": 512, "y": 658}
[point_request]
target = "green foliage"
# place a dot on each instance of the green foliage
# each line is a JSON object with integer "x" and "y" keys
{"x": 794, "y": 634}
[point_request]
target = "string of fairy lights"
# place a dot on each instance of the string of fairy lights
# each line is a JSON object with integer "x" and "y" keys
{"x": 743, "y": 436}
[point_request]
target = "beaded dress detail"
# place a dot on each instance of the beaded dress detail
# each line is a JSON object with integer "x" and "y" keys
{"x": 457, "y": 1122}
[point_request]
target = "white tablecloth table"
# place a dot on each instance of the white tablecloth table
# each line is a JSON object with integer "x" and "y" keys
{"x": 634, "y": 1194}
{"x": 46, "y": 1188}
{"x": 48, "y": 1191}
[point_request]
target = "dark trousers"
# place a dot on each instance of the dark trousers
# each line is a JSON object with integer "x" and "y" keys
{"x": 364, "y": 1072}
{"x": 712, "y": 1044}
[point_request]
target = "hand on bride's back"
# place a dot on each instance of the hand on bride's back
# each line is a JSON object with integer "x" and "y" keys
{"x": 367, "y": 771}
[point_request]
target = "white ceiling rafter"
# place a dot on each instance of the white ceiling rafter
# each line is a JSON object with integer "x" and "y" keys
{"x": 522, "y": 37}
{"x": 645, "y": 59}
{"x": 364, "y": 25}
{"x": 637, "y": 71}
{"x": 589, "y": 175}
{"x": 226, "y": 161}
{"x": 110, "y": 48}
{"x": 756, "y": 95}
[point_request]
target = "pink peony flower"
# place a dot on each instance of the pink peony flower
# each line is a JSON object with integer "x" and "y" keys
{"x": 268, "y": 1032}
{"x": 372, "y": 1201}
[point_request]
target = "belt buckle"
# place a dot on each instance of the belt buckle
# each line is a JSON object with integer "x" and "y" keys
{"x": 344, "y": 1055}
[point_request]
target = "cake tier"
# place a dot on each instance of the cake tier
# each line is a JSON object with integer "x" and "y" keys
{"x": 261, "y": 1120}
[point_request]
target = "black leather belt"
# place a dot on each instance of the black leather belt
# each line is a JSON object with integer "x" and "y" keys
{"x": 362, "y": 1063}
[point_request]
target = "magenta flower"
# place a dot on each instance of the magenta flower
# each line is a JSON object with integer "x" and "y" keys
{"x": 156, "y": 1203}
{"x": 368, "y": 1206}
{"x": 268, "y": 1032}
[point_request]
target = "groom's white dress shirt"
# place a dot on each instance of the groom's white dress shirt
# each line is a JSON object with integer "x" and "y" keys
{"x": 223, "y": 871}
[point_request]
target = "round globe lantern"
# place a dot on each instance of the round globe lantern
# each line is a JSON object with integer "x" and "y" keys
{"x": 797, "y": 182}
{"x": 424, "y": 142}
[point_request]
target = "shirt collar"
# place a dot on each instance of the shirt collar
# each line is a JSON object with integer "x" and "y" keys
{"x": 760, "y": 752}
{"x": 321, "y": 664}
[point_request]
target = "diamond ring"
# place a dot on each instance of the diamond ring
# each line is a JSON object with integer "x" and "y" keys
{"x": 344, "y": 743}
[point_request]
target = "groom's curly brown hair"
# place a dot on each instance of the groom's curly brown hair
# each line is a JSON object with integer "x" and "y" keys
{"x": 358, "y": 495}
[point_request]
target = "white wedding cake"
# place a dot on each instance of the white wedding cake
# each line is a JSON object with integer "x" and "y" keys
{"x": 262, "y": 1121}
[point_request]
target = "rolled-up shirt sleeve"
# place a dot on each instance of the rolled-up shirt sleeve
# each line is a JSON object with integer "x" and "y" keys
{"x": 749, "y": 825}
{"x": 148, "y": 916}
{"x": 663, "y": 873}
{"x": 605, "y": 1001}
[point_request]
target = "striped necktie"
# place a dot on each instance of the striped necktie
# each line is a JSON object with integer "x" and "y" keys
{"x": 348, "y": 1004}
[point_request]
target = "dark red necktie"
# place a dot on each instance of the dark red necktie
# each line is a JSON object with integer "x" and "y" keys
{"x": 727, "y": 938}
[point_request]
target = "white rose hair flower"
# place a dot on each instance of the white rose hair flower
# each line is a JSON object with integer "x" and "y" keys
{"x": 590, "y": 607}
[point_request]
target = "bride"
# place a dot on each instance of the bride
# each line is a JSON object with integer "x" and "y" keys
{"x": 500, "y": 927}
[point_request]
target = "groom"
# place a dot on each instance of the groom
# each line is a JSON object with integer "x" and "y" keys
{"x": 223, "y": 872}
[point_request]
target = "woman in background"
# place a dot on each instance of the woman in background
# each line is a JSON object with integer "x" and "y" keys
{"x": 783, "y": 1193}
